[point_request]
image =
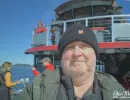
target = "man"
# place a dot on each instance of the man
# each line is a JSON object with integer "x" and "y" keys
{"x": 77, "y": 80}
{"x": 46, "y": 63}
{"x": 114, "y": 10}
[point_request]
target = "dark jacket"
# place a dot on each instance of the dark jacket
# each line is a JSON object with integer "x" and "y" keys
{"x": 2, "y": 83}
{"x": 46, "y": 86}
{"x": 112, "y": 11}
{"x": 4, "y": 91}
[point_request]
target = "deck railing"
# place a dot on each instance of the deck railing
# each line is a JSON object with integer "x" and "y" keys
{"x": 106, "y": 28}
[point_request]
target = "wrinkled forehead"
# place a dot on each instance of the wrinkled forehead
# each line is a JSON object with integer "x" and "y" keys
{"x": 78, "y": 43}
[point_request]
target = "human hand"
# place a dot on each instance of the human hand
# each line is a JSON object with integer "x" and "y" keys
{"x": 18, "y": 82}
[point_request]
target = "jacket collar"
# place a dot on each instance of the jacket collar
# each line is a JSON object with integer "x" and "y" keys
{"x": 105, "y": 81}
{"x": 108, "y": 82}
{"x": 51, "y": 76}
{"x": 68, "y": 85}
{"x": 50, "y": 65}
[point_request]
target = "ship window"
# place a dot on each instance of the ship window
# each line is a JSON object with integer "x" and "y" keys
{"x": 61, "y": 17}
{"x": 100, "y": 66}
{"x": 68, "y": 15}
{"x": 99, "y": 10}
{"x": 82, "y": 12}
{"x": 68, "y": 24}
{"x": 39, "y": 65}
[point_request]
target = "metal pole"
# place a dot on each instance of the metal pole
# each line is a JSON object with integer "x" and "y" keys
{"x": 92, "y": 10}
{"x": 72, "y": 10}
{"x": 92, "y": 15}
{"x": 53, "y": 56}
{"x": 34, "y": 63}
{"x": 73, "y": 13}
{"x": 47, "y": 35}
{"x": 112, "y": 30}
{"x": 86, "y": 21}
{"x": 64, "y": 26}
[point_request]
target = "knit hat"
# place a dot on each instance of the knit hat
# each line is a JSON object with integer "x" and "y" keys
{"x": 78, "y": 32}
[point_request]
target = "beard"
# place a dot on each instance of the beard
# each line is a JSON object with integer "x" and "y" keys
{"x": 77, "y": 69}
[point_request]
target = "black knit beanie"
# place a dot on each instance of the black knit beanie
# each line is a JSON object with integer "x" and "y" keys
{"x": 78, "y": 32}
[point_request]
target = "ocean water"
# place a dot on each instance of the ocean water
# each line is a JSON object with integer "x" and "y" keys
{"x": 21, "y": 72}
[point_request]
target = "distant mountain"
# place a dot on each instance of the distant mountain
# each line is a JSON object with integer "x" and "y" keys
{"x": 22, "y": 65}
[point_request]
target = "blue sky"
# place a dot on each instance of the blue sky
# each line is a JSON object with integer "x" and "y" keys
{"x": 17, "y": 20}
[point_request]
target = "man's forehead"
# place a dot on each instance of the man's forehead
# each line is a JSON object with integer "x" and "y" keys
{"x": 76, "y": 43}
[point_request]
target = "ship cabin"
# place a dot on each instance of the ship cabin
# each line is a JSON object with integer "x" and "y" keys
{"x": 112, "y": 32}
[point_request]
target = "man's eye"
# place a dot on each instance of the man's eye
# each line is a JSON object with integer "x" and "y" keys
{"x": 70, "y": 47}
{"x": 84, "y": 46}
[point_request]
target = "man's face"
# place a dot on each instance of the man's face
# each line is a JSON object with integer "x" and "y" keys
{"x": 114, "y": 4}
{"x": 78, "y": 58}
{"x": 45, "y": 63}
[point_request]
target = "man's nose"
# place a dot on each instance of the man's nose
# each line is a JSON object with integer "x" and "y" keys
{"x": 77, "y": 51}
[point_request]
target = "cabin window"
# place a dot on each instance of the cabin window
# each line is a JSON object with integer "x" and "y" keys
{"x": 98, "y": 10}
{"x": 100, "y": 66}
{"x": 38, "y": 57}
{"x": 68, "y": 15}
{"x": 82, "y": 12}
{"x": 80, "y": 21}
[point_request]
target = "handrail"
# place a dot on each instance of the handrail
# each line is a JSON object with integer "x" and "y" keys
{"x": 95, "y": 17}
{"x": 107, "y": 21}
